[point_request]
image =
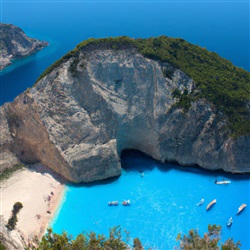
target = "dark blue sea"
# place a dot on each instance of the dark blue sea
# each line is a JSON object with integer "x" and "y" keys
{"x": 220, "y": 26}
{"x": 165, "y": 197}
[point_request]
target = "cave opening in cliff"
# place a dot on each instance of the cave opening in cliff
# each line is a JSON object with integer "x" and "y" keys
{"x": 137, "y": 161}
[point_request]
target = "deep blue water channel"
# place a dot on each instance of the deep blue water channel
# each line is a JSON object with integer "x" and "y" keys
{"x": 163, "y": 203}
{"x": 220, "y": 26}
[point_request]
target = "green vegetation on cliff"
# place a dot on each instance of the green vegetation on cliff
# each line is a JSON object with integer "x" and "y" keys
{"x": 2, "y": 246}
{"x": 6, "y": 173}
{"x": 224, "y": 85}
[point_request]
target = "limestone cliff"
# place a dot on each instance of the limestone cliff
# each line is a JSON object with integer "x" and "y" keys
{"x": 80, "y": 116}
{"x": 15, "y": 44}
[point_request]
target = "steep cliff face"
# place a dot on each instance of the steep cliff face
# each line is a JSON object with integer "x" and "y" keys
{"x": 79, "y": 118}
{"x": 15, "y": 44}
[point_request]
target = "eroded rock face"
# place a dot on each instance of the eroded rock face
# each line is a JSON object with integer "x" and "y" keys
{"x": 15, "y": 44}
{"x": 79, "y": 118}
{"x": 7, "y": 158}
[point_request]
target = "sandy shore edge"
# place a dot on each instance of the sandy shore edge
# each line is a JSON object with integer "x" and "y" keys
{"x": 40, "y": 192}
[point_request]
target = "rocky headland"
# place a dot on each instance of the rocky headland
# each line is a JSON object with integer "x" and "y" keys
{"x": 109, "y": 95}
{"x": 15, "y": 44}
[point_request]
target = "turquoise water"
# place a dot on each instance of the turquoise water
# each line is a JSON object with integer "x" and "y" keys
{"x": 163, "y": 203}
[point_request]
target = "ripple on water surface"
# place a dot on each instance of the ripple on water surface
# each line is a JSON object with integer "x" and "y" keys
{"x": 163, "y": 203}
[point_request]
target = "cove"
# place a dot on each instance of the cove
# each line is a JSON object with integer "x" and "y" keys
{"x": 163, "y": 203}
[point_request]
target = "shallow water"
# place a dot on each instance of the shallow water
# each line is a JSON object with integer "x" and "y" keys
{"x": 163, "y": 203}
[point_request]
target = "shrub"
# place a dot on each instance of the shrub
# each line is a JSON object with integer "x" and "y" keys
{"x": 184, "y": 99}
{"x": 2, "y": 246}
{"x": 211, "y": 240}
{"x": 9, "y": 171}
{"x": 13, "y": 219}
{"x": 83, "y": 241}
{"x": 17, "y": 207}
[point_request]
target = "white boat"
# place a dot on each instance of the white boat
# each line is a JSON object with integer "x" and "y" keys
{"x": 201, "y": 202}
{"x": 230, "y": 221}
{"x": 241, "y": 208}
{"x": 222, "y": 182}
{"x": 113, "y": 203}
{"x": 211, "y": 203}
{"x": 126, "y": 202}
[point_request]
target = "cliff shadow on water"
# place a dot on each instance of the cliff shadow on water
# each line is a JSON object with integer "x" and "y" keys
{"x": 131, "y": 161}
{"x": 136, "y": 161}
{"x": 93, "y": 183}
{"x": 141, "y": 163}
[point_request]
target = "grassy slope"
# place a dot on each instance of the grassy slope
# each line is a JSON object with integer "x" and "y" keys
{"x": 216, "y": 79}
{"x": 7, "y": 173}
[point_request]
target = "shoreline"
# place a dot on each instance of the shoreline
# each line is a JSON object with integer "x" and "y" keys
{"x": 41, "y": 192}
{"x": 54, "y": 208}
{"x": 54, "y": 205}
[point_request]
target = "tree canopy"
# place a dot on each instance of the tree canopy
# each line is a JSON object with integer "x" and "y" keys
{"x": 210, "y": 241}
{"x": 93, "y": 241}
{"x": 87, "y": 241}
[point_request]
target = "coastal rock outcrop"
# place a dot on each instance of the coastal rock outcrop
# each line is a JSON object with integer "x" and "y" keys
{"x": 80, "y": 116}
{"x": 15, "y": 44}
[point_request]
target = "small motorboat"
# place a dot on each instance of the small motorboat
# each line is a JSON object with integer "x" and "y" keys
{"x": 201, "y": 202}
{"x": 141, "y": 173}
{"x": 211, "y": 203}
{"x": 222, "y": 182}
{"x": 230, "y": 221}
{"x": 241, "y": 208}
{"x": 113, "y": 203}
{"x": 126, "y": 202}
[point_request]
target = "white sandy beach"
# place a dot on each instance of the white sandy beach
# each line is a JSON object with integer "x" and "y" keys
{"x": 40, "y": 194}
